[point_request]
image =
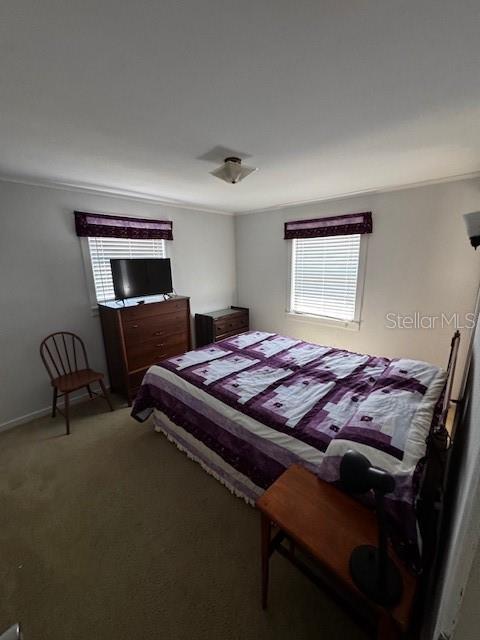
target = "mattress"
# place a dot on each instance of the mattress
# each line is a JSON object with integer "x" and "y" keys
{"x": 250, "y": 406}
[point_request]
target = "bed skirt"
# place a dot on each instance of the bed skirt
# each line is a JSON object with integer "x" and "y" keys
{"x": 237, "y": 483}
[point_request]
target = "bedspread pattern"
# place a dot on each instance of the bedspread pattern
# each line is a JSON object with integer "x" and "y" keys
{"x": 262, "y": 401}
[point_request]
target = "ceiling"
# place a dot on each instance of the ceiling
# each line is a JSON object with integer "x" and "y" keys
{"x": 327, "y": 97}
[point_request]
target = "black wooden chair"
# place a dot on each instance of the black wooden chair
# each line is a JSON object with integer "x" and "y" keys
{"x": 65, "y": 358}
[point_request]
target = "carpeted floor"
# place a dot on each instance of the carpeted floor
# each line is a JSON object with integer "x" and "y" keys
{"x": 112, "y": 533}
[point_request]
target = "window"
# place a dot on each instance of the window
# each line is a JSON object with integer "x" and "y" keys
{"x": 326, "y": 278}
{"x": 102, "y": 249}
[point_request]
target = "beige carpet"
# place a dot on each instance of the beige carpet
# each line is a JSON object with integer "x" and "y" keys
{"x": 112, "y": 533}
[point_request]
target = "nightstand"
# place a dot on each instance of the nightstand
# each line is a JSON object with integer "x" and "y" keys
{"x": 323, "y": 525}
{"x": 218, "y": 325}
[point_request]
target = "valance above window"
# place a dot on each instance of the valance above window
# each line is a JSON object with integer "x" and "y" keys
{"x": 95, "y": 225}
{"x": 349, "y": 224}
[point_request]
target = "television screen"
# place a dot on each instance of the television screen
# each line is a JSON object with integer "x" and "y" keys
{"x": 133, "y": 277}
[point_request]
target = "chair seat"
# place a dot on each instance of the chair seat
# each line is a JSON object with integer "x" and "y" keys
{"x": 76, "y": 380}
{"x": 65, "y": 351}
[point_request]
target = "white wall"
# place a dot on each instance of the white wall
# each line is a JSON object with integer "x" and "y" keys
{"x": 419, "y": 260}
{"x": 464, "y": 531}
{"x": 43, "y": 286}
{"x": 469, "y": 615}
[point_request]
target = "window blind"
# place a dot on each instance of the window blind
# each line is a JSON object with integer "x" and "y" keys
{"x": 102, "y": 249}
{"x": 324, "y": 276}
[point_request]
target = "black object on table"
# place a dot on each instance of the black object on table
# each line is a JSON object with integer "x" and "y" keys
{"x": 372, "y": 570}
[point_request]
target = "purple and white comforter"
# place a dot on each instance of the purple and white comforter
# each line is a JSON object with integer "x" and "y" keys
{"x": 248, "y": 407}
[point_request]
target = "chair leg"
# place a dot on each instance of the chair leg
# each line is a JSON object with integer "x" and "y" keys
{"x": 67, "y": 413}
{"x": 54, "y": 402}
{"x": 106, "y": 395}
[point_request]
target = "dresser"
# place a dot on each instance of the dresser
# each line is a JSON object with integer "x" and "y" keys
{"x": 136, "y": 336}
{"x": 217, "y": 325}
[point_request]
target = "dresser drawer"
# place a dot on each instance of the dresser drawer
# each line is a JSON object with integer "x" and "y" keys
{"x": 144, "y": 354}
{"x": 139, "y": 336}
{"x": 151, "y": 327}
{"x": 147, "y": 310}
{"x": 157, "y": 342}
{"x": 233, "y": 323}
{"x": 229, "y": 334}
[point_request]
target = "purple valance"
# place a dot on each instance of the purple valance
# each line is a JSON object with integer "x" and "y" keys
{"x": 332, "y": 226}
{"x": 96, "y": 225}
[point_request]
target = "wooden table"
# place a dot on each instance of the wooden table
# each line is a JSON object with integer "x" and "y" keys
{"x": 327, "y": 524}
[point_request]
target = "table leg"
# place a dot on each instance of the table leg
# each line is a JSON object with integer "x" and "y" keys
{"x": 266, "y": 531}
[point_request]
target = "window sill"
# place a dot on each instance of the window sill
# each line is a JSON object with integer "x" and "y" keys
{"x": 350, "y": 325}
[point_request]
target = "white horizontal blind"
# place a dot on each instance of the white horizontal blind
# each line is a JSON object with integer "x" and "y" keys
{"x": 102, "y": 249}
{"x": 324, "y": 276}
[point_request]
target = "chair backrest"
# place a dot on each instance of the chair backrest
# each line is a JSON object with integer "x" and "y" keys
{"x": 63, "y": 353}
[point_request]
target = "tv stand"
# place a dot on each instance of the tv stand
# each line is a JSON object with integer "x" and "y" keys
{"x": 137, "y": 336}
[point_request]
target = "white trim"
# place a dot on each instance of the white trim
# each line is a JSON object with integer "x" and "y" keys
{"x": 291, "y": 274}
{"x": 87, "y": 267}
{"x": 113, "y": 192}
{"x": 40, "y": 413}
{"x": 362, "y": 192}
{"x": 361, "y": 278}
{"x": 351, "y": 325}
{"x": 148, "y": 197}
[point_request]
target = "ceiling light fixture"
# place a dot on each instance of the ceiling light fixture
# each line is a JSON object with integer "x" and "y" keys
{"x": 232, "y": 170}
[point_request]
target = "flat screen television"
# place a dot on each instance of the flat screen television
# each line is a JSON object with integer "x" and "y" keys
{"x": 133, "y": 277}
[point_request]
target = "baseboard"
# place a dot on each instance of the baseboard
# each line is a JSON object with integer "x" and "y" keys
{"x": 39, "y": 413}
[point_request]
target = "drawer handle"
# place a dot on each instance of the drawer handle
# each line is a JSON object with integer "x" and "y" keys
{"x": 160, "y": 345}
{"x": 158, "y": 333}
{"x": 134, "y": 326}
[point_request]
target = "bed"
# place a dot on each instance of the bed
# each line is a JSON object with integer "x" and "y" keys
{"x": 248, "y": 407}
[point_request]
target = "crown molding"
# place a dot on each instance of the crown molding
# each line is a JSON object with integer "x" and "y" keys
{"x": 111, "y": 192}
{"x": 150, "y": 198}
{"x": 363, "y": 192}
